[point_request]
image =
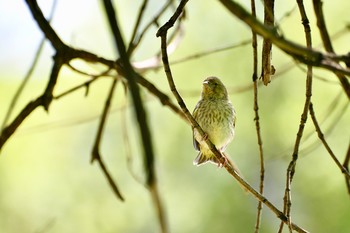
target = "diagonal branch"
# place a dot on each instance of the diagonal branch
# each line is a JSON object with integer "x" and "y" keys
{"x": 162, "y": 33}
{"x": 96, "y": 155}
{"x": 44, "y": 100}
{"x": 321, "y": 24}
{"x": 346, "y": 166}
{"x": 304, "y": 54}
{"x": 29, "y": 72}
{"x": 323, "y": 140}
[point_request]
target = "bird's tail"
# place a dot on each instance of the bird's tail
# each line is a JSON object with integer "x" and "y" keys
{"x": 202, "y": 159}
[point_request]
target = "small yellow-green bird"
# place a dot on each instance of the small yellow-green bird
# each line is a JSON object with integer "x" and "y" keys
{"x": 216, "y": 116}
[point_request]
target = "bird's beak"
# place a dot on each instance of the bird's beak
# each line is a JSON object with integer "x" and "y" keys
{"x": 206, "y": 82}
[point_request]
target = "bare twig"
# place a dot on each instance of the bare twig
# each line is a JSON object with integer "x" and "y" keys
{"x": 154, "y": 21}
{"x": 321, "y": 24}
{"x": 267, "y": 70}
{"x": 63, "y": 56}
{"x": 304, "y": 54}
{"x": 133, "y": 45}
{"x": 346, "y": 166}
{"x": 162, "y": 33}
{"x": 96, "y": 148}
{"x": 12, "y": 127}
{"x": 44, "y": 100}
{"x": 323, "y": 140}
{"x": 308, "y": 94}
{"x": 29, "y": 72}
{"x": 257, "y": 121}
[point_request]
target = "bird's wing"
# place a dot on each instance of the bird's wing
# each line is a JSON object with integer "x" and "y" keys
{"x": 195, "y": 142}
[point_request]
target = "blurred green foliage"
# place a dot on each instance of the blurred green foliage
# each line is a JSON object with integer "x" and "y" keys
{"x": 47, "y": 183}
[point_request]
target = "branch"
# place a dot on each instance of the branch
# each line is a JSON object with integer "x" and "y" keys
{"x": 162, "y": 33}
{"x": 140, "y": 113}
{"x": 308, "y": 94}
{"x": 8, "y": 131}
{"x": 45, "y": 27}
{"x": 96, "y": 148}
{"x": 133, "y": 45}
{"x": 323, "y": 140}
{"x": 257, "y": 122}
{"x": 44, "y": 100}
{"x": 28, "y": 74}
{"x": 321, "y": 24}
{"x": 346, "y": 166}
{"x": 301, "y": 53}
{"x": 267, "y": 70}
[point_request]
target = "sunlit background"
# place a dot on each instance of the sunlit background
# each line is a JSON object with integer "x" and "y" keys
{"x": 47, "y": 183}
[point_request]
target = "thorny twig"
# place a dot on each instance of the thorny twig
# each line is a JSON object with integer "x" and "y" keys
{"x": 162, "y": 33}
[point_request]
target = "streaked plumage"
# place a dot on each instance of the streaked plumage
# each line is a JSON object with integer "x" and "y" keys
{"x": 216, "y": 116}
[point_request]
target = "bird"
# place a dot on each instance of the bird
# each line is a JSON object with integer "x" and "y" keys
{"x": 216, "y": 116}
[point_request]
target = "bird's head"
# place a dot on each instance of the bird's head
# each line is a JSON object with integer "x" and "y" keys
{"x": 213, "y": 88}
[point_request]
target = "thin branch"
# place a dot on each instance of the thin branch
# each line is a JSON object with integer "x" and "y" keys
{"x": 211, "y": 51}
{"x": 346, "y": 166}
{"x": 162, "y": 33}
{"x": 141, "y": 116}
{"x": 29, "y": 72}
{"x": 126, "y": 142}
{"x": 95, "y": 155}
{"x": 9, "y": 130}
{"x": 308, "y": 94}
{"x": 154, "y": 21}
{"x": 321, "y": 24}
{"x": 257, "y": 121}
{"x": 301, "y": 53}
{"x": 323, "y": 140}
{"x": 44, "y": 100}
{"x": 132, "y": 45}
{"x": 45, "y": 27}
{"x": 267, "y": 70}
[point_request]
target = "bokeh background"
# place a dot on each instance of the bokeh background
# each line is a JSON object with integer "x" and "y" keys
{"x": 47, "y": 183}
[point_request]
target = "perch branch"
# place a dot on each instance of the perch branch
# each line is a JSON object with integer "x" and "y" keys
{"x": 162, "y": 33}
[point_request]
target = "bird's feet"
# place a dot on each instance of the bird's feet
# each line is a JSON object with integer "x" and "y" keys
{"x": 224, "y": 160}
